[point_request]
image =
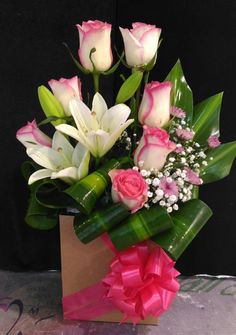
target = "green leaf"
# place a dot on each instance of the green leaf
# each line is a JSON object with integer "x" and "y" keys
{"x": 181, "y": 94}
{"x": 151, "y": 64}
{"x": 219, "y": 167}
{"x": 115, "y": 66}
{"x": 77, "y": 63}
{"x": 54, "y": 118}
{"x": 40, "y": 217}
{"x": 88, "y": 190}
{"x": 140, "y": 226}
{"x": 50, "y": 193}
{"x": 50, "y": 105}
{"x": 129, "y": 87}
{"x": 27, "y": 168}
{"x": 87, "y": 228}
{"x": 188, "y": 221}
{"x": 206, "y": 117}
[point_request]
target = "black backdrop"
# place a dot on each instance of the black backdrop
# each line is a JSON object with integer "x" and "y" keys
{"x": 201, "y": 33}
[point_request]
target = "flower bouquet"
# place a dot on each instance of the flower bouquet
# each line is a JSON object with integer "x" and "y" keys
{"x": 126, "y": 177}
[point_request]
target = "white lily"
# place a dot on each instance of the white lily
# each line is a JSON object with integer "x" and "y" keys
{"x": 99, "y": 129}
{"x": 60, "y": 161}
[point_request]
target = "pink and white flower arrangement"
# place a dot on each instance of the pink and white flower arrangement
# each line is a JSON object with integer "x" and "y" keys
{"x": 127, "y": 168}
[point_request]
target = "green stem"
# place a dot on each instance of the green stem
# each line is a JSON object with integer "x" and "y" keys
{"x": 97, "y": 162}
{"x": 146, "y": 77}
{"x": 96, "y": 77}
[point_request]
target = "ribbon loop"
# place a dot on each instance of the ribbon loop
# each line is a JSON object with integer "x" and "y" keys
{"x": 141, "y": 282}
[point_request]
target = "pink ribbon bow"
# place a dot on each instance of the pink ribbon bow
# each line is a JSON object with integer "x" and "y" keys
{"x": 142, "y": 282}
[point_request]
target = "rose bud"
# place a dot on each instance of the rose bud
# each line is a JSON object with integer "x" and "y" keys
{"x": 155, "y": 106}
{"x": 129, "y": 187}
{"x": 31, "y": 135}
{"x": 95, "y": 34}
{"x": 65, "y": 90}
{"x": 141, "y": 43}
{"x": 153, "y": 149}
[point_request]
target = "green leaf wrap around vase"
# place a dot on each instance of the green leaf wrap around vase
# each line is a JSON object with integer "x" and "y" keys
{"x": 188, "y": 221}
{"x": 87, "y": 191}
{"x": 140, "y": 226}
{"x": 87, "y": 228}
{"x": 40, "y": 217}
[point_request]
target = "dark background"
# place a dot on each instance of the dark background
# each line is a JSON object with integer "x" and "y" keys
{"x": 201, "y": 33}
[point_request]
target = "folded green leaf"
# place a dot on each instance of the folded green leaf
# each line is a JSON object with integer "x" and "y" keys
{"x": 77, "y": 63}
{"x": 219, "y": 167}
{"x": 50, "y": 193}
{"x": 53, "y": 118}
{"x": 115, "y": 66}
{"x": 50, "y": 105}
{"x": 129, "y": 87}
{"x": 40, "y": 217}
{"x": 87, "y": 191}
{"x": 188, "y": 221}
{"x": 87, "y": 228}
{"x": 181, "y": 94}
{"x": 140, "y": 226}
{"x": 206, "y": 117}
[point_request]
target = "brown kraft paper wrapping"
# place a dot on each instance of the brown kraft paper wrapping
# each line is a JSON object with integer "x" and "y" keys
{"x": 84, "y": 265}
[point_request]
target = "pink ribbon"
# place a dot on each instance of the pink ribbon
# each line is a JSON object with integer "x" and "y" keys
{"x": 141, "y": 282}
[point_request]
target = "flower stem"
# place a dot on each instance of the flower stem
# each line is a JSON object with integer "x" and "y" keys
{"x": 97, "y": 162}
{"x": 146, "y": 77}
{"x": 96, "y": 77}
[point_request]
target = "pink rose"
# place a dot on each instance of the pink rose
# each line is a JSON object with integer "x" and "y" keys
{"x": 154, "y": 110}
{"x": 140, "y": 43}
{"x": 65, "y": 90}
{"x": 30, "y": 135}
{"x": 153, "y": 148}
{"x": 95, "y": 34}
{"x": 129, "y": 187}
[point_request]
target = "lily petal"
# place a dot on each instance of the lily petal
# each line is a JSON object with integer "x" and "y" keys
{"x": 98, "y": 140}
{"x": 99, "y": 106}
{"x": 82, "y": 116}
{"x": 81, "y": 157}
{"x": 115, "y": 117}
{"x": 40, "y": 174}
{"x": 68, "y": 175}
{"x": 60, "y": 143}
{"x": 73, "y": 132}
{"x": 115, "y": 135}
{"x": 41, "y": 156}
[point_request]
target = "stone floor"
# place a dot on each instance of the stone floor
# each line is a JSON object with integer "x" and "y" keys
{"x": 30, "y": 305}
